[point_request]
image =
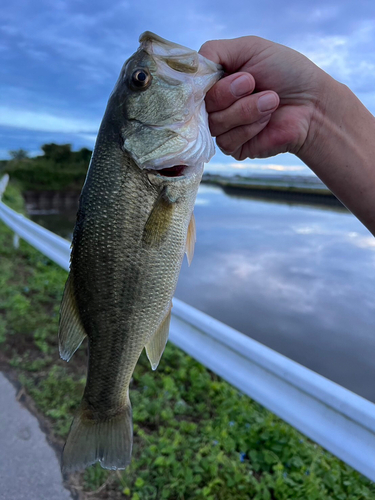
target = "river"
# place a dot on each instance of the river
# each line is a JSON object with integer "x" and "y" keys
{"x": 297, "y": 278}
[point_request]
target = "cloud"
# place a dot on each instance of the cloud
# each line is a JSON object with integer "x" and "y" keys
{"x": 251, "y": 168}
{"x": 34, "y": 120}
{"x": 347, "y": 58}
{"x": 61, "y": 59}
{"x": 268, "y": 166}
{"x": 362, "y": 241}
{"x": 91, "y": 138}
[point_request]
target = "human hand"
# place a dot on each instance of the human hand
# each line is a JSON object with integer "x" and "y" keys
{"x": 278, "y": 116}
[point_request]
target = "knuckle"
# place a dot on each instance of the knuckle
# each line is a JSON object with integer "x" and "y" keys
{"x": 217, "y": 95}
{"x": 246, "y": 110}
{"x": 217, "y": 122}
{"x": 210, "y": 50}
{"x": 206, "y": 47}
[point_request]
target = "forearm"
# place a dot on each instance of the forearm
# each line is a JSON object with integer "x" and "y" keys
{"x": 340, "y": 149}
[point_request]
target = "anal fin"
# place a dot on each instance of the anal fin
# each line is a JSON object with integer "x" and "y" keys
{"x": 155, "y": 347}
{"x": 191, "y": 238}
{"x": 71, "y": 330}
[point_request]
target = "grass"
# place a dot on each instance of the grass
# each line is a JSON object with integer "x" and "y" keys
{"x": 196, "y": 437}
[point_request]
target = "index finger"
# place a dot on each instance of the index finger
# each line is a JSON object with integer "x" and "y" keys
{"x": 233, "y": 54}
{"x": 228, "y": 90}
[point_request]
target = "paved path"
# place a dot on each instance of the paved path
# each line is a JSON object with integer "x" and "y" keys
{"x": 29, "y": 469}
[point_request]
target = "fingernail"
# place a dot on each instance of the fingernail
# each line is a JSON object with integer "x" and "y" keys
{"x": 241, "y": 86}
{"x": 267, "y": 102}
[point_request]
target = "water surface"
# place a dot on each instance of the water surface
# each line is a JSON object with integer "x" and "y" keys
{"x": 298, "y": 278}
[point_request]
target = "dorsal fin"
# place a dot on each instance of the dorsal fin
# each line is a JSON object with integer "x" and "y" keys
{"x": 71, "y": 330}
{"x": 191, "y": 238}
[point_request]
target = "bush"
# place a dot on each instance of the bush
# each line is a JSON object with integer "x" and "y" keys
{"x": 58, "y": 169}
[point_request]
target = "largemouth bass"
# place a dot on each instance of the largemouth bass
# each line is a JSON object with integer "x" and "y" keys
{"x": 134, "y": 224}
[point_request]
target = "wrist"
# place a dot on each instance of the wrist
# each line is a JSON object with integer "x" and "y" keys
{"x": 326, "y": 119}
{"x": 340, "y": 149}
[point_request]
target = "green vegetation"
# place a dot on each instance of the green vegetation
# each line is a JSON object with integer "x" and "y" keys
{"x": 59, "y": 168}
{"x": 18, "y": 154}
{"x": 12, "y": 197}
{"x": 196, "y": 437}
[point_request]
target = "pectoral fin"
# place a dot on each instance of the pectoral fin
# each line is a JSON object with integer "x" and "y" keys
{"x": 158, "y": 222}
{"x": 71, "y": 331}
{"x": 190, "y": 239}
{"x": 155, "y": 347}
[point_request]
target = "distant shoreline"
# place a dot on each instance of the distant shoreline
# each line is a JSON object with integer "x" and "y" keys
{"x": 300, "y": 189}
{"x": 293, "y": 188}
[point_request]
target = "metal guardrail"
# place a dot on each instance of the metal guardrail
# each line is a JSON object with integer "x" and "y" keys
{"x": 51, "y": 245}
{"x": 336, "y": 418}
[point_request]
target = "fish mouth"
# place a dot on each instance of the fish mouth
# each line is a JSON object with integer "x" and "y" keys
{"x": 171, "y": 172}
{"x": 176, "y": 171}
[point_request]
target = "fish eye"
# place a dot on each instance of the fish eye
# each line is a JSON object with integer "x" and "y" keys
{"x": 141, "y": 79}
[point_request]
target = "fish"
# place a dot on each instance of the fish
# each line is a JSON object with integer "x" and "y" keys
{"x": 134, "y": 224}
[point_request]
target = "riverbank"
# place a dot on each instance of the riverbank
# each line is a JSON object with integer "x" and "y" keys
{"x": 196, "y": 437}
{"x": 293, "y": 188}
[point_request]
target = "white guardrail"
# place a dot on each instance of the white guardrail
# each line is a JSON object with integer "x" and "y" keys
{"x": 336, "y": 418}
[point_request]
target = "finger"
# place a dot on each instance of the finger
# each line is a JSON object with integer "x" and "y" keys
{"x": 233, "y": 54}
{"x": 268, "y": 142}
{"x": 245, "y": 111}
{"x": 228, "y": 90}
{"x": 232, "y": 141}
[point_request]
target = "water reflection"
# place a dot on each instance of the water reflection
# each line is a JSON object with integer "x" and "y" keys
{"x": 59, "y": 223}
{"x": 298, "y": 278}
{"x": 295, "y": 278}
{"x": 289, "y": 198}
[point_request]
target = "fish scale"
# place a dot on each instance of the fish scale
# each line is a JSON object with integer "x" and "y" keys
{"x": 133, "y": 227}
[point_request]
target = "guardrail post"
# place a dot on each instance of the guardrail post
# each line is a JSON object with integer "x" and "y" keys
{"x": 16, "y": 241}
{"x": 3, "y": 184}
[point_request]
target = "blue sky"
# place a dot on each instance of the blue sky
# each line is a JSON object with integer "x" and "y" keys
{"x": 60, "y": 59}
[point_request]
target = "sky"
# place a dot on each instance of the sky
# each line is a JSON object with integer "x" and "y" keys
{"x": 60, "y": 59}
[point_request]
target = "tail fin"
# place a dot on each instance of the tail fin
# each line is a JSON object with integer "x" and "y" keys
{"x": 106, "y": 441}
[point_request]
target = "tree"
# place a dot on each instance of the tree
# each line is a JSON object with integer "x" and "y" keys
{"x": 59, "y": 153}
{"x": 84, "y": 155}
{"x": 18, "y": 154}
